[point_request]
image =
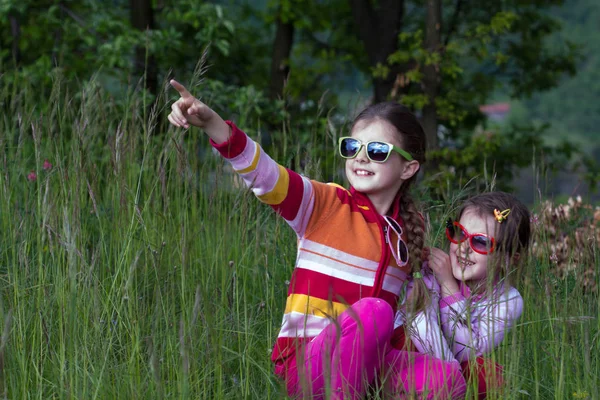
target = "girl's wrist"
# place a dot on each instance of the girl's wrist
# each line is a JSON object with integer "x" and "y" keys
{"x": 217, "y": 129}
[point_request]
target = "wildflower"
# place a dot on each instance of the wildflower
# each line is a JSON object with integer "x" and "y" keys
{"x": 554, "y": 258}
{"x": 47, "y": 165}
{"x": 534, "y": 219}
{"x": 31, "y": 176}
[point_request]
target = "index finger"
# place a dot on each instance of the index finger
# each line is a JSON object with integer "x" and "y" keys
{"x": 180, "y": 88}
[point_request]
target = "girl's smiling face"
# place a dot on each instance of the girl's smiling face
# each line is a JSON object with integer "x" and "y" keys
{"x": 372, "y": 178}
{"x": 467, "y": 265}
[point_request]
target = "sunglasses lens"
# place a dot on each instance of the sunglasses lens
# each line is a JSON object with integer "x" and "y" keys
{"x": 402, "y": 251}
{"x": 378, "y": 151}
{"x": 481, "y": 244}
{"x": 455, "y": 234}
{"x": 395, "y": 226}
{"x": 349, "y": 147}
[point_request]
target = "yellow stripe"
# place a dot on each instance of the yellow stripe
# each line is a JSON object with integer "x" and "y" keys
{"x": 339, "y": 186}
{"x": 304, "y": 304}
{"x": 252, "y": 166}
{"x": 280, "y": 191}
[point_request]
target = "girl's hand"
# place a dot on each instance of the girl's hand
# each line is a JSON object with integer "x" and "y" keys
{"x": 439, "y": 262}
{"x": 189, "y": 110}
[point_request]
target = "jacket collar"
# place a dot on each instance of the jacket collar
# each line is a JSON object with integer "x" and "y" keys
{"x": 363, "y": 200}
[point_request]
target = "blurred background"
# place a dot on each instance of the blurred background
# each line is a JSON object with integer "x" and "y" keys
{"x": 505, "y": 89}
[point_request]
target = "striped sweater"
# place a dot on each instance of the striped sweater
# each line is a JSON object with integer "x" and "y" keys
{"x": 342, "y": 255}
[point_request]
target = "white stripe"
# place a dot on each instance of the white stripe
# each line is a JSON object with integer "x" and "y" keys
{"x": 336, "y": 270}
{"x": 393, "y": 285}
{"x": 305, "y": 210}
{"x": 339, "y": 255}
{"x": 245, "y": 158}
{"x": 297, "y": 324}
{"x": 397, "y": 272}
{"x": 264, "y": 177}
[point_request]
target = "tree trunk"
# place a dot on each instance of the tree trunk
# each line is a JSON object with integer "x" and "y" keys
{"x": 15, "y": 31}
{"x": 142, "y": 19}
{"x": 431, "y": 79}
{"x": 280, "y": 65}
{"x": 378, "y": 27}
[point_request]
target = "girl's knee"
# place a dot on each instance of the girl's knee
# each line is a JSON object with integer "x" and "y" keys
{"x": 374, "y": 311}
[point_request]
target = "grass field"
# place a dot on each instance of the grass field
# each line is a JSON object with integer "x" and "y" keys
{"x": 133, "y": 268}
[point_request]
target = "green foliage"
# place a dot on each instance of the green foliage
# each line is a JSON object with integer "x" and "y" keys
{"x": 492, "y": 159}
{"x": 516, "y": 47}
{"x": 491, "y": 48}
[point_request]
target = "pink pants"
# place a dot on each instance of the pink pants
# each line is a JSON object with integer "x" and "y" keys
{"x": 351, "y": 352}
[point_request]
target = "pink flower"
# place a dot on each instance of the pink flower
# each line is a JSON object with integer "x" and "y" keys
{"x": 31, "y": 176}
{"x": 554, "y": 258}
{"x": 47, "y": 166}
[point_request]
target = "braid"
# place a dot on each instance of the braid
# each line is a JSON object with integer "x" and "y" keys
{"x": 413, "y": 222}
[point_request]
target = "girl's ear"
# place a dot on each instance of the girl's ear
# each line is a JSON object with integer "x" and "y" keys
{"x": 410, "y": 168}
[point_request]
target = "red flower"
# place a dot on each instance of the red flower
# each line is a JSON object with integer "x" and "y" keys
{"x": 47, "y": 166}
{"x": 31, "y": 176}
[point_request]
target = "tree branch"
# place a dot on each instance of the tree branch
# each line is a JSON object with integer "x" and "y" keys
{"x": 453, "y": 21}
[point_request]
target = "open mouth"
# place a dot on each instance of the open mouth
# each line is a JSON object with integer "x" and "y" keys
{"x": 463, "y": 262}
{"x": 362, "y": 172}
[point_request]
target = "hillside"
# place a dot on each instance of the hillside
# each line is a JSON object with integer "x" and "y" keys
{"x": 573, "y": 109}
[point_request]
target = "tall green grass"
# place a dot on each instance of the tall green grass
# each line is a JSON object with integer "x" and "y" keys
{"x": 135, "y": 268}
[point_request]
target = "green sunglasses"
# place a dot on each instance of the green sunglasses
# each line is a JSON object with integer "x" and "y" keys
{"x": 379, "y": 152}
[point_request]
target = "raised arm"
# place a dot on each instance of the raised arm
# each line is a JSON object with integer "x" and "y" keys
{"x": 476, "y": 329}
{"x": 289, "y": 193}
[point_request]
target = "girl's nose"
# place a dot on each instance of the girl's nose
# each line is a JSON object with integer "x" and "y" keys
{"x": 463, "y": 249}
{"x": 362, "y": 155}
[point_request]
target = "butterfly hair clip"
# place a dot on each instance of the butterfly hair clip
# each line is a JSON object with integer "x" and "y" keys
{"x": 501, "y": 215}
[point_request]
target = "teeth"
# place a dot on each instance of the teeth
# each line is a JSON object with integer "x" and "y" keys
{"x": 363, "y": 173}
{"x": 465, "y": 262}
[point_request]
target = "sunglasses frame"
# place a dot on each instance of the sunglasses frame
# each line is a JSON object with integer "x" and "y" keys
{"x": 469, "y": 237}
{"x": 398, "y": 229}
{"x": 398, "y": 150}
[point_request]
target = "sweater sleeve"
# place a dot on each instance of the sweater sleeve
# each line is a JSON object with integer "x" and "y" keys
{"x": 287, "y": 192}
{"x": 477, "y": 328}
{"x": 424, "y": 328}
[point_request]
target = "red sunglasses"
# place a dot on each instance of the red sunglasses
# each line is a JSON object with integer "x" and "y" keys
{"x": 479, "y": 242}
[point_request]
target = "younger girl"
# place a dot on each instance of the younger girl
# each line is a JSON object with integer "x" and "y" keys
{"x": 354, "y": 248}
{"x": 473, "y": 283}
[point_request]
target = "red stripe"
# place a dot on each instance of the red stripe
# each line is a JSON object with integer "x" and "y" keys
{"x": 322, "y": 286}
{"x": 286, "y": 347}
{"x": 235, "y": 145}
{"x": 392, "y": 299}
{"x": 291, "y": 204}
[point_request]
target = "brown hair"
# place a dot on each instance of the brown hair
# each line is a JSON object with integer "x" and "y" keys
{"x": 513, "y": 233}
{"x": 413, "y": 140}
